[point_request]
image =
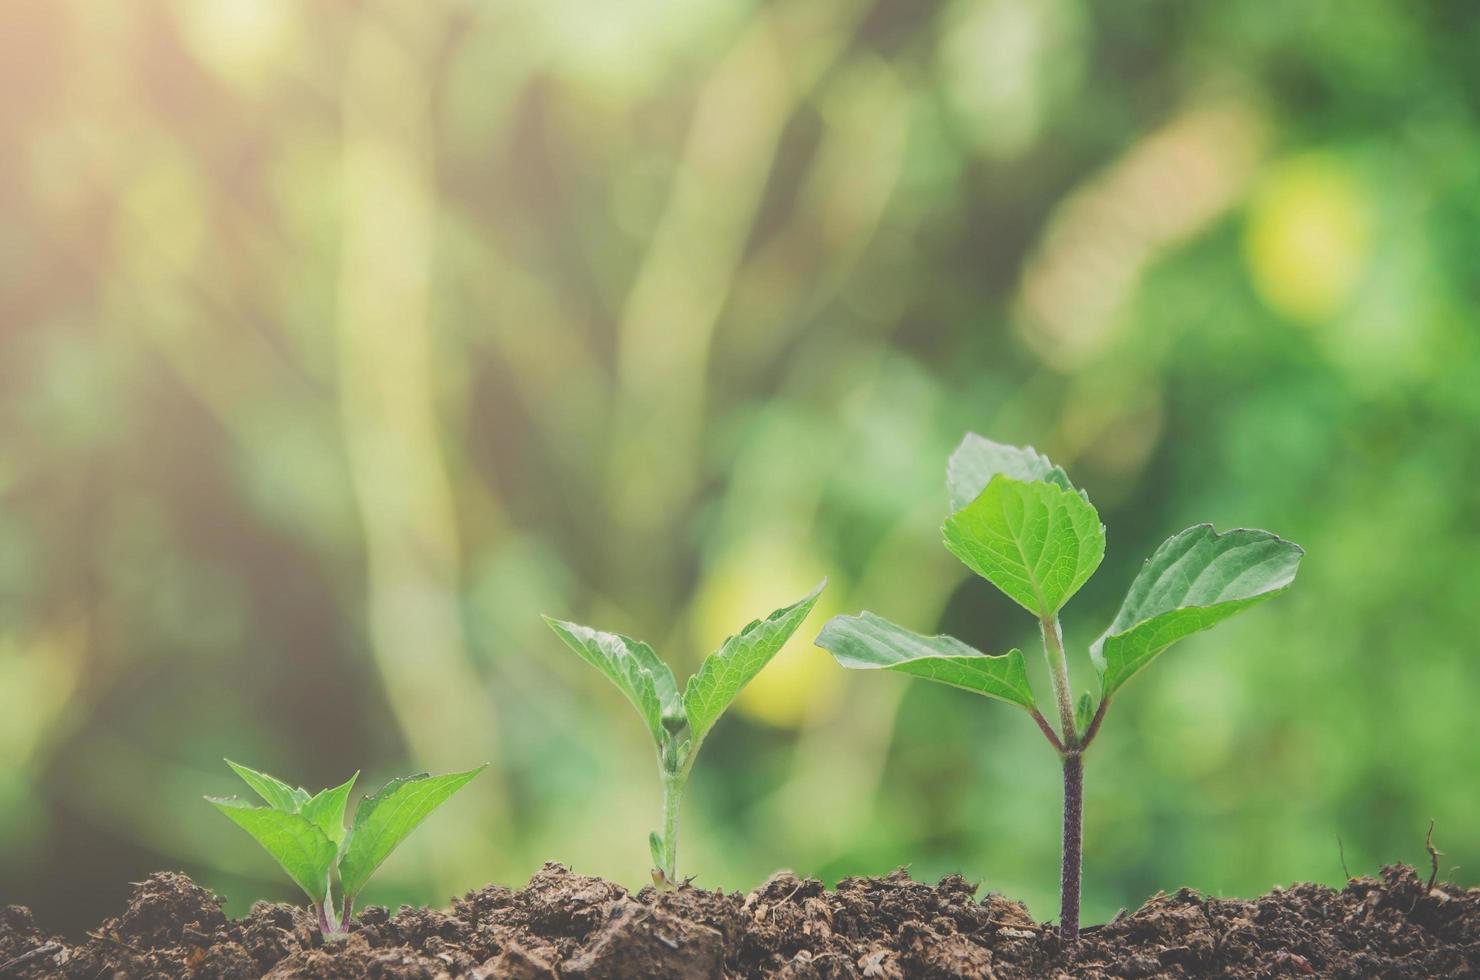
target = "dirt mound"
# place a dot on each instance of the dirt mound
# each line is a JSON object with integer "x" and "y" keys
{"x": 567, "y": 925}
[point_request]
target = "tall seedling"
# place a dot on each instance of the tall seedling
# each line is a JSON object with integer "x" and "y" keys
{"x": 1018, "y": 522}
{"x": 677, "y": 722}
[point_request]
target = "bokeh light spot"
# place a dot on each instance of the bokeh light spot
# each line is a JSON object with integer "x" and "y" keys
{"x": 1308, "y": 237}
{"x": 801, "y": 682}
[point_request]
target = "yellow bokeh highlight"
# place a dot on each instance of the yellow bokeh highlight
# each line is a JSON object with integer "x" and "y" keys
{"x": 38, "y": 676}
{"x": 1308, "y": 239}
{"x": 244, "y": 41}
{"x": 801, "y": 682}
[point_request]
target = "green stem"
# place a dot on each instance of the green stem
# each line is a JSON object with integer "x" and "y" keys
{"x": 1058, "y": 669}
{"x": 326, "y": 925}
{"x": 673, "y": 784}
{"x": 676, "y": 756}
{"x": 332, "y": 927}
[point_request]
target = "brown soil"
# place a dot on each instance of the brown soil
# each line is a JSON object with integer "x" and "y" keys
{"x": 565, "y": 925}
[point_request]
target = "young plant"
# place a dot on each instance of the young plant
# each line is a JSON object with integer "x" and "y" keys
{"x": 1018, "y": 522}
{"x": 306, "y": 834}
{"x": 679, "y": 723}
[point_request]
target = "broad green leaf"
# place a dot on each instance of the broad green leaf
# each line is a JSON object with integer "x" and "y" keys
{"x": 385, "y": 817}
{"x": 276, "y": 793}
{"x": 976, "y": 460}
{"x": 867, "y": 642}
{"x": 1196, "y": 579}
{"x": 724, "y": 672}
{"x": 1037, "y": 542}
{"x": 291, "y": 838}
{"x": 633, "y": 667}
{"x": 325, "y": 809}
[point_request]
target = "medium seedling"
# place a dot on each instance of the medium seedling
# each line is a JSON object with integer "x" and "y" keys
{"x": 679, "y": 723}
{"x": 306, "y": 835}
{"x": 1018, "y": 522}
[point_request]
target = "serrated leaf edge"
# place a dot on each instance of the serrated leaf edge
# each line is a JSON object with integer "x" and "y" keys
{"x": 716, "y": 661}
{"x": 1096, "y": 649}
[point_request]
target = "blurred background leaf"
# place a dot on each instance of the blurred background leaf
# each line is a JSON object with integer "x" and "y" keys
{"x": 339, "y": 340}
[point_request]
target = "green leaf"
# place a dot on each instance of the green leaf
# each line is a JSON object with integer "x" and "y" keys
{"x": 1037, "y": 542}
{"x": 385, "y": 817}
{"x": 633, "y": 667}
{"x": 1196, "y": 579}
{"x": 655, "y": 848}
{"x": 976, "y": 460}
{"x": 276, "y": 793}
{"x": 723, "y": 673}
{"x": 866, "y": 642}
{"x": 1084, "y": 713}
{"x": 291, "y": 838}
{"x": 325, "y": 809}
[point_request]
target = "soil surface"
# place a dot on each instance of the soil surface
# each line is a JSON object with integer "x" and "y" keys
{"x": 566, "y": 925}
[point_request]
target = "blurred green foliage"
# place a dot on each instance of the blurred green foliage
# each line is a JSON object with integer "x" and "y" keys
{"x": 339, "y": 340}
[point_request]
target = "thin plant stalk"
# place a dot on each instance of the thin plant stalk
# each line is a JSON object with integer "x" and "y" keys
{"x": 672, "y": 796}
{"x": 1058, "y": 669}
{"x": 333, "y": 926}
{"x": 1070, "y": 745}
{"x": 1069, "y": 870}
{"x": 325, "y": 925}
{"x": 1071, "y": 748}
{"x": 674, "y": 782}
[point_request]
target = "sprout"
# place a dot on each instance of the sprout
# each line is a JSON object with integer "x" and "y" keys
{"x": 679, "y": 723}
{"x": 306, "y": 834}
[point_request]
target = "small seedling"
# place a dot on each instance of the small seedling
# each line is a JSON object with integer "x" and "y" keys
{"x": 1018, "y": 522}
{"x": 306, "y": 834}
{"x": 679, "y": 723}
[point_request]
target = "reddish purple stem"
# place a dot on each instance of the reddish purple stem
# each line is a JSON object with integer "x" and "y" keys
{"x": 1047, "y": 729}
